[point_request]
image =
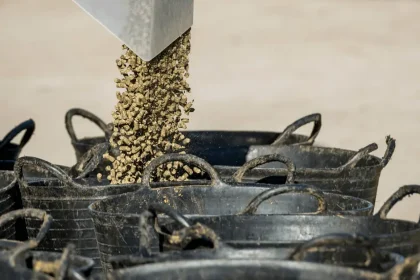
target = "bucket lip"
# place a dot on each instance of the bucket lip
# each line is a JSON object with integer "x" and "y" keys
{"x": 240, "y": 131}
{"x": 86, "y": 141}
{"x": 315, "y": 148}
{"x": 223, "y": 253}
{"x": 88, "y": 186}
{"x": 152, "y": 268}
{"x": 303, "y": 170}
{"x": 220, "y": 131}
{"x": 367, "y": 205}
{"x": 84, "y": 185}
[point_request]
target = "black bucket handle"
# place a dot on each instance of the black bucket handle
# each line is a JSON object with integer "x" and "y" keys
{"x": 152, "y": 212}
{"x": 184, "y": 158}
{"x": 65, "y": 262}
{"x": 291, "y": 168}
{"x": 396, "y": 197}
{"x": 297, "y": 188}
{"x": 390, "y": 142}
{"x": 87, "y": 115}
{"x": 156, "y": 208}
{"x": 44, "y": 165}
{"x": 287, "y": 132}
{"x": 28, "y": 213}
{"x": 363, "y": 152}
{"x": 89, "y": 161}
{"x": 187, "y": 229}
{"x": 28, "y": 125}
{"x": 339, "y": 239}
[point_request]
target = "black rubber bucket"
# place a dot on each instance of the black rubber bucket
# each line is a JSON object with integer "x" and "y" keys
{"x": 117, "y": 219}
{"x": 354, "y": 173}
{"x": 10, "y": 197}
{"x": 247, "y": 229}
{"x": 197, "y": 242}
{"x": 67, "y": 200}
{"x": 11, "y": 151}
{"x": 21, "y": 257}
{"x": 231, "y": 147}
{"x": 254, "y": 270}
{"x": 230, "y": 144}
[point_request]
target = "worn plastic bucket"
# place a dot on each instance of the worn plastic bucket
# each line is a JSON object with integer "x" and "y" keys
{"x": 354, "y": 173}
{"x": 231, "y": 145}
{"x": 117, "y": 219}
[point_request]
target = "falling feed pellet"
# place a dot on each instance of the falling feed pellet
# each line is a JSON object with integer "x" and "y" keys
{"x": 151, "y": 110}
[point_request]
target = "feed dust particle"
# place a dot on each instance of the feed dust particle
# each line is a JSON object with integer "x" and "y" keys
{"x": 151, "y": 109}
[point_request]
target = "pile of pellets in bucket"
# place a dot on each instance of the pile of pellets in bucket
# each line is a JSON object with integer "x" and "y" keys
{"x": 150, "y": 112}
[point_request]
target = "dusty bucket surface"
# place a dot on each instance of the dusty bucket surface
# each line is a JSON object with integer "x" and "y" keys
{"x": 116, "y": 219}
{"x": 231, "y": 144}
{"x": 354, "y": 173}
{"x": 67, "y": 200}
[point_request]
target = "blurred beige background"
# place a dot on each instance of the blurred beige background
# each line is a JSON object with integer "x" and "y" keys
{"x": 256, "y": 65}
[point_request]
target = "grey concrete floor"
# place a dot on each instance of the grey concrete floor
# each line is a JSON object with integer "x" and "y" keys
{"x": 256, "y": 65}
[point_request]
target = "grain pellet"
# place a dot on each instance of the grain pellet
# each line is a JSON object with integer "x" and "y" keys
{"x": 151, "y": 109}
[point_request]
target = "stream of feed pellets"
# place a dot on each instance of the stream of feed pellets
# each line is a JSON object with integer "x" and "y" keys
{"x": 151, "y": 109}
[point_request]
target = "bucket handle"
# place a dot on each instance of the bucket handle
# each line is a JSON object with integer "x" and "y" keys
{"x": 291, "y": 168}
{"x": 340, "y": 239}
{"x": 28, "y": 125}
{"x": 41, "y": 165}
{"x": 156, "y": 208}
{"x": 61, "y": 271}
{"x": 390, "y": 142}
{"x": 152, "y": 212}
{"x": 297, "y": 188}
{"x": 65, "y": 262}
{"x": 187, "y": 232}
{"x": 87, "y": 115}
{"x": 28, "y": 213}
{"x": 362, "y": 153}
{"x": 409, "y": 263}
{"x": 287, "y": 132}
{"x": 396, "y": 197}
{"x": 89, "y": 161}
{"x": 184, "y": 158}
